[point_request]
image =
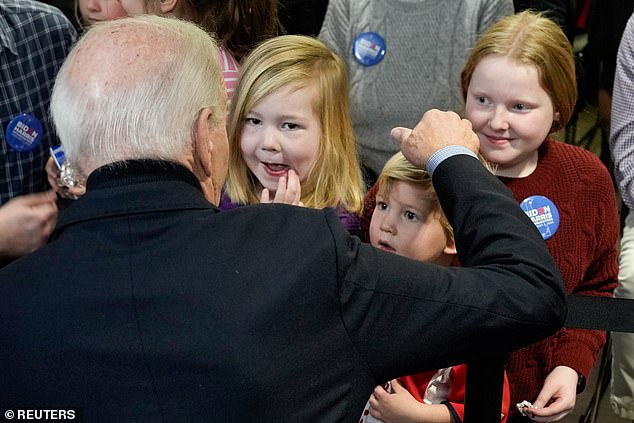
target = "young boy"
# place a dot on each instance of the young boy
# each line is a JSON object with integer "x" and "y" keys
{"x": 409, "y": 221}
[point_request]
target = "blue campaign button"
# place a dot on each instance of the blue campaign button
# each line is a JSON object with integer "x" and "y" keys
{"x": 368, "y": 48}
{"x": 24, "y": 133}
{"x": 543, "y": 213}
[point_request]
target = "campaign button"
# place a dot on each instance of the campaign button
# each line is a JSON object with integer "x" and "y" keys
{"x": 543, "y": 213}
{"x": 24, "y": 133}
{"x": 368, "y": 48}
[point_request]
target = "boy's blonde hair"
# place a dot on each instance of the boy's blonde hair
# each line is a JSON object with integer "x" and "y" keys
{"x": 300, "y": 62}
{"x": 530, "y": 38}
{"x": 398, "y": 168}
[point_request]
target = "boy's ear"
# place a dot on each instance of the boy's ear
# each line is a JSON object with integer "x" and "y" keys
{"x": 450, "y": 251}
{"x": 450, "y": 248}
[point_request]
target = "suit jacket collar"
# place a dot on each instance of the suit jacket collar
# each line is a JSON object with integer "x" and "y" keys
{"x": 133, "y": 187}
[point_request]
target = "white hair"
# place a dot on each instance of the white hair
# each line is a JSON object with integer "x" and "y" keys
{"x": 133, "y": 88}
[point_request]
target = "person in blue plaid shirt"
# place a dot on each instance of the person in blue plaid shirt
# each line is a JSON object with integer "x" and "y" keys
{"x": 34, "y": 40}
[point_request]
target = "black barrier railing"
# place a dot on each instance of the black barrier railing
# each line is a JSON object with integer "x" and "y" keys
{"x": 485, "y": 378}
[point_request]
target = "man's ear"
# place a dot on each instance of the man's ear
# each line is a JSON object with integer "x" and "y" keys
{"x": 203, "y": 141}
{"x": 168, "y": 6}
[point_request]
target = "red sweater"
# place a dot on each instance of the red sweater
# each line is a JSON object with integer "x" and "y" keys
{"x": 584, "y": 247}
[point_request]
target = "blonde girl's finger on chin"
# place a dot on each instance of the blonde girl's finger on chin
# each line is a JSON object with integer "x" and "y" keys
{"x": 264, "y": 196}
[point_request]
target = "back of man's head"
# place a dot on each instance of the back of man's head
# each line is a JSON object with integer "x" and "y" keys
{"x": 132, "y": 89}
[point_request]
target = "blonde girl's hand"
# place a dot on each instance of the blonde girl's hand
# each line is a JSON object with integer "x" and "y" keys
{"x": 289, "y": 191}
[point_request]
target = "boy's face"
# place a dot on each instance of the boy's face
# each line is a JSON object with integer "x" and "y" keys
{"x": 405, "y": 222}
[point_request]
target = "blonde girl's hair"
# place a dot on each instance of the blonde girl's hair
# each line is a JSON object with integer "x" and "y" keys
{"x": 530, "y": 38}
{"x": 300, "y": 62}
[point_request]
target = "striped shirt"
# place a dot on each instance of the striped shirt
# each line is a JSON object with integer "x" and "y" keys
{"x": 230, "y": 70}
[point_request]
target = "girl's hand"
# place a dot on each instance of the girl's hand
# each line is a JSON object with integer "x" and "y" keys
{"x": 289, "y": 191}
{"x": 557, "y": 397}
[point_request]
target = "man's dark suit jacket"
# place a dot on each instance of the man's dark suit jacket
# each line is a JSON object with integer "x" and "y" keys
{"x": 152, "y": 305}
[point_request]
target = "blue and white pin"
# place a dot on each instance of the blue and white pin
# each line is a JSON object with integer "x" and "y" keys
{"x": 24, "y": 133}
{"x": 543, "y": 213}
{"x": 59, "y": 155}
{"x": 368, "y": 48}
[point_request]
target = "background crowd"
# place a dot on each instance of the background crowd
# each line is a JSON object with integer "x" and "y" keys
{"x": 312, "y": 90}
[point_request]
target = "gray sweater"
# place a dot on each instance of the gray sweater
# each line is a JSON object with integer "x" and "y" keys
{"x": 427, "y": 44}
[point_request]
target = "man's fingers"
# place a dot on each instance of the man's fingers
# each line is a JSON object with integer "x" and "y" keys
{"x": 400, "y": 134}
